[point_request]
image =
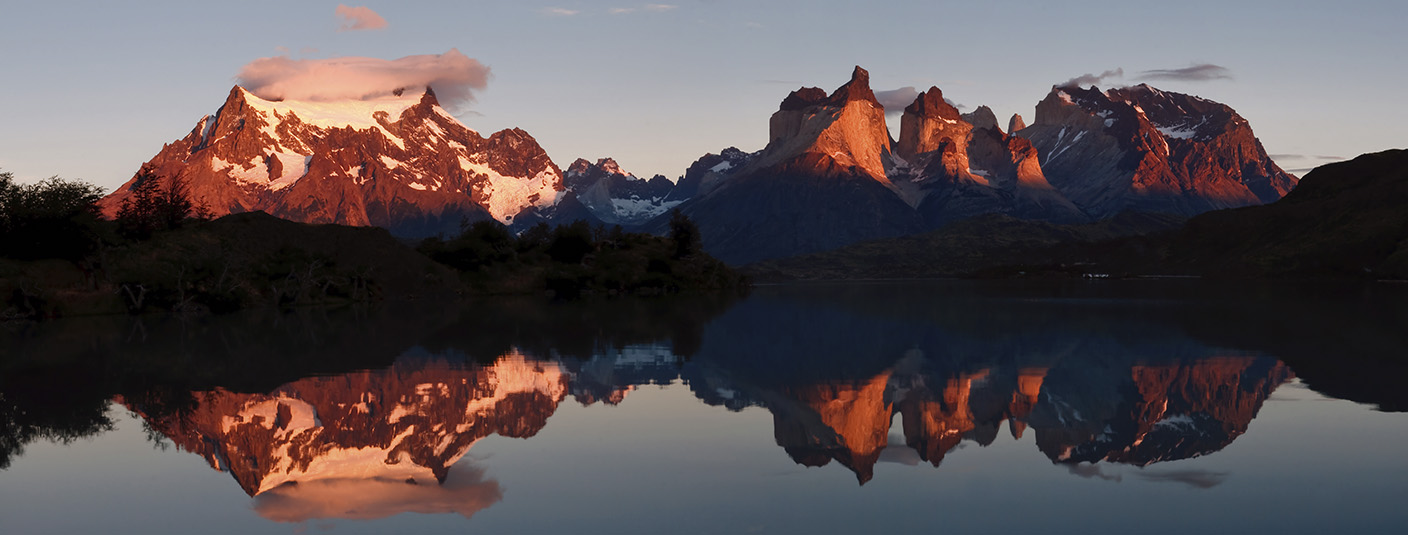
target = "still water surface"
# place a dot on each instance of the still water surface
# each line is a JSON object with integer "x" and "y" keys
{"x": 1156, "y": 406}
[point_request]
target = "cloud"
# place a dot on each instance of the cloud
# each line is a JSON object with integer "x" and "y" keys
{"x": 1093, "y": 79}
{"x": 452, "y": 75}
{"x": 655, "y": 8}
{"x": 358, "y": 18}
{"x": 1305, "y": 157}
{"x": 899, "y": 454}
{"x": 1304, "y": 163}
{"x": 895, "y": 100}
{"x": 558, "y": 11}
{"x": 1093, "y": 471}
{"x": 1202, "y": 479}
{"x": 465, "y": 492}
{"x": 1195, "y": 73}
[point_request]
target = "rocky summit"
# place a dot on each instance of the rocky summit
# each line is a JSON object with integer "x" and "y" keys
{"x": 400, "y": 162}
{"x": 830, "y": 174}
{"x": 1139, "y": 148}
{"x": 615, "y": 197}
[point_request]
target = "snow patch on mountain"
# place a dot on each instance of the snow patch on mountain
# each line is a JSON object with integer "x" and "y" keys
{"x": 508, "y": 195}
{"x": 354, "y": 114}
{"x": 294, "y": 167}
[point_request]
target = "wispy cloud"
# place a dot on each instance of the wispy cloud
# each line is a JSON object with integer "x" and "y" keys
{"x": 653, "y": 8}
{"x": 558, "y": 11}
{"x": 1304, "y": 157}
{"x": 1094, "y": 79}
{"x": 454, "y": 77}
{"x": 1196, "y": 73}
{"x": 1202, "y": 479}
{"x": 358, "y": 18}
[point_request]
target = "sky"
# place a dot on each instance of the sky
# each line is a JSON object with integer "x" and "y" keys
{"x": 92, "y": 89}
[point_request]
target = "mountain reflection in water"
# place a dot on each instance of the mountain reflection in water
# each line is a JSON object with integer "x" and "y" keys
{"x": 367, "y": 415}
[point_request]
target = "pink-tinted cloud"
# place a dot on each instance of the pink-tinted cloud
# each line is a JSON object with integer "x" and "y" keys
{"x": 465, "y": 492}
{"x": 454, "y": 77}
{"x": 358, "y": 18}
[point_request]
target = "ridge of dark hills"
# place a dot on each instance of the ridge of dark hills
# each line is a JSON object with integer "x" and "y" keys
{"x": 989, "y": 243}
{"x": 1345, "y": 220}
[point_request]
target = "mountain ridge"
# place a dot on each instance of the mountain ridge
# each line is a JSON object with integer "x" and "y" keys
{"x": 830, "y": 174}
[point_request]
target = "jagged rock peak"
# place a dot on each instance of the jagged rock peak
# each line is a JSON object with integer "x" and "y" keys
{"x": 929, "y": 123}
{"x": 602, "y": 167}
{"x": 610, "y": 166}
{"x": 856, "y": 89}
{"x": 931, "y": 103}
{"x": 580, "y": 166}
{"x": 1015, "y": 123}
{"x": 428, "y": 99}
{"x": 983, "y": 117}
{"x": 803, "y": 98}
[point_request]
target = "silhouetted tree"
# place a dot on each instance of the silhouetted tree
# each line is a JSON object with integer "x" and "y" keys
{"x": 150, "y": 208}
{"x": 536, "y": 236}
{"x": 571, "y": 243}
{"x": 684, "y": 233}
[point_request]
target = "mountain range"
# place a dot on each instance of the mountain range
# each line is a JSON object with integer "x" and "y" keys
{"x": 830, "y": 174}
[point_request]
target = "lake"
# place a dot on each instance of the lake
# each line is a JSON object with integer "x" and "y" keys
{"x": 1107, "y": 406}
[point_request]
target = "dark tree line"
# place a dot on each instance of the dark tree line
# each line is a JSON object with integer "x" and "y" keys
{"x": 578, "y": 258}
{"x": 52, "y": 218}
{"x": 152, "y": 208}
{"x": 57, "y": 218}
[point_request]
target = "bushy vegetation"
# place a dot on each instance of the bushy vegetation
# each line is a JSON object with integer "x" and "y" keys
{"x": 574, "y": 260}
{"x": 162, "y": 253}
{"x": 52, "y": 218}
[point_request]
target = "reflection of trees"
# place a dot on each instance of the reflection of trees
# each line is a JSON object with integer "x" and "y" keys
{"x": 51, "y": 405}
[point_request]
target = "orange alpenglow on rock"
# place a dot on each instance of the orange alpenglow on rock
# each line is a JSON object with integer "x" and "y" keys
{"x": 409, "y": 422}
{"x": 840, "y": 134}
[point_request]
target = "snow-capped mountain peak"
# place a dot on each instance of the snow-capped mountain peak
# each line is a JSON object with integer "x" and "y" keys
{"x": 398, "y": 161}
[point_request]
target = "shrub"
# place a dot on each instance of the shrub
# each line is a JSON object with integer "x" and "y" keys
{"x": 52, "y": 218}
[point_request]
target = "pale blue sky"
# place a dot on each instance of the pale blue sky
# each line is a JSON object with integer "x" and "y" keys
{"x": 93, "y": 89}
